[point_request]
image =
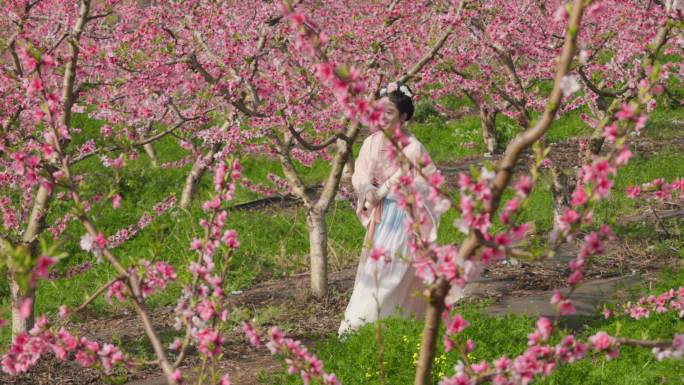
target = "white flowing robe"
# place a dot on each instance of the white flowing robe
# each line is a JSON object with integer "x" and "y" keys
{"x": 387, "y": 288}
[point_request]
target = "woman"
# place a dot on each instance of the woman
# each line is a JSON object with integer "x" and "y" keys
{"x": 388, "y": 285}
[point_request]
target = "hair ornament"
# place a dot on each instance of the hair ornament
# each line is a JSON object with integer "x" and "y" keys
{"x": 393, "y": 87}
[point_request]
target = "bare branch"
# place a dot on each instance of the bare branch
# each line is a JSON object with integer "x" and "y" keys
{"x": 427, "y": 57}
{"x": 143, "y": 142}
{"x": 289, "y": 170}
{"x": 310, "y": 146}
{"x": 503, "y": 176}
{"x": 96, "y": 294}
{"x": 595, "y": 89}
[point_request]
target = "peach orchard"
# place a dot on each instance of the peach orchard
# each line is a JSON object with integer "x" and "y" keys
{"x": 295, "y": 80}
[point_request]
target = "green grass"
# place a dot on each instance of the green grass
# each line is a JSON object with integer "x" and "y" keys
{"x": 452, "y": 140}
{"x": 355, "y": 359}
{"x": 665, "y": 124}
{"x": 275, "y": 242}
{"x": 568, "y": 126}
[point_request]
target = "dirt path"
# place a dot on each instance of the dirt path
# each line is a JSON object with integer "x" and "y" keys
{"x": 523, "y": 288}
{"x": 563, "y": 153}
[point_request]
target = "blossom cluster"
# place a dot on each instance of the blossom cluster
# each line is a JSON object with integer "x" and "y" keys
{"x": 201, "y": 309}
{"x": 658, "y": 189}
{"x": 27, "y": 348}
{"x": 668, "y": 301}
{"x": 297, "y": 357}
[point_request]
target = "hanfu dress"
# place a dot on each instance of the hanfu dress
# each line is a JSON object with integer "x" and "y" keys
{"x": 386, "y": 287}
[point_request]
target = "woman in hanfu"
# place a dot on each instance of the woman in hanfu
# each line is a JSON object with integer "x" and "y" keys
{"x": 388, "y": 285}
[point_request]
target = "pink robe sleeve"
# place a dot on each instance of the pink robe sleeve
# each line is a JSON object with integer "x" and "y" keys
{"x": 362, "y": 180}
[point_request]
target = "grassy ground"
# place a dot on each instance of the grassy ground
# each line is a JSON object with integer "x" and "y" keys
{"x": 274, "y": 242}
{"x": 355, "y": 360}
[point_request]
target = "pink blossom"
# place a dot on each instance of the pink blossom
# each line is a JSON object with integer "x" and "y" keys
{"x": 566, "y": 307}
{"x": 464, "y": 181}
{"x": 378, "y": 253}
{"x": 325, "y": 71}
{"x": 436, "y": 179}
{"x": 210, "y": 342}
{"x": 561, "y": 13}
{"x": 230, "y": 239}
{"x": 626, "y": 112}
{"x": 610, "y": 132}
{"x": 48, "y": 61}
{"x": 206, "y": 310}
{"x": 176, "y": 344}
{"x": 502, "y": 364}
{"x": 118, "y": 290}
{"x": 623, "y": 157}
{"x": 177, "y": 376}
{"x": 34, "y": 86}
{"x": 106, "y": 131}
{"x": 25, "y": 308}
{"x": 575, "y": 278}
{"x": 459, "y": 379}
{"x": 251, "y": 333}
{"x": 633, "y": 192}
{"x": 579, "y": 196}
{"x": 595, "y": 9}
{"x": 456, "y": 325}
{"x": 524, "y": 185}
{"x": 42, "y": 265}
{"x": 116, "y": 201}
{"x": 639, "y": 312}
{"x": 101, "y": 241}
{"x": 470, "y": 345}
{"x": 641, "y": 122}
{"x": 606, "y": 313}
{"x": 601, "y": 341}
{"x": 568, "y": 218}
{"x": 63, "y": 311}
{"x": 118, "y": 162}
{"x": 503, "y": 239}
{"x": 545, "y": 327}
{"x": 196, "y": 244}
{"x": 480, "y": 367}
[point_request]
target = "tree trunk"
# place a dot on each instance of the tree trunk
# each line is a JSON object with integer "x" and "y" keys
{"x": 196, "y": 172}
{"x": 318, "y": 252}
{"x": 488, "y": 123}
{"x": 20, "y": 325}
{"x": 35, "y": 226}
{"x": 149, "y": 149}
{"x": 433, "y": 318}
{"x": 562, "y": 186}
{"x": 348, "y": 171}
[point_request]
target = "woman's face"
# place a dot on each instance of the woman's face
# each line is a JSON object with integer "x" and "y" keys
{"x": 390, "y": 115}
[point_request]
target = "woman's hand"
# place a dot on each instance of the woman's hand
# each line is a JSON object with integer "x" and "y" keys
{"x": 372, "y": 198}
{"x": 386, "y": 187}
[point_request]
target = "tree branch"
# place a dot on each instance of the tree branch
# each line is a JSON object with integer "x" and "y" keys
{"x": 310, "y": 146}
{"x": 143, "y": 142}
{"x": 96, "y": 294}
{"x": 428, "y": 56}
{"x": 595, "y": 89}
{"x": 503, "y": 176}
{"x": 289, "y": 170}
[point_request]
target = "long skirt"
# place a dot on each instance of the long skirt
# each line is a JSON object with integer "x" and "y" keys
{"x": 388, "y": 286}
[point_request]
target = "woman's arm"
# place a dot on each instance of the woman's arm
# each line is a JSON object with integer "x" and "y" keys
{"x": 361, "y": 178}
